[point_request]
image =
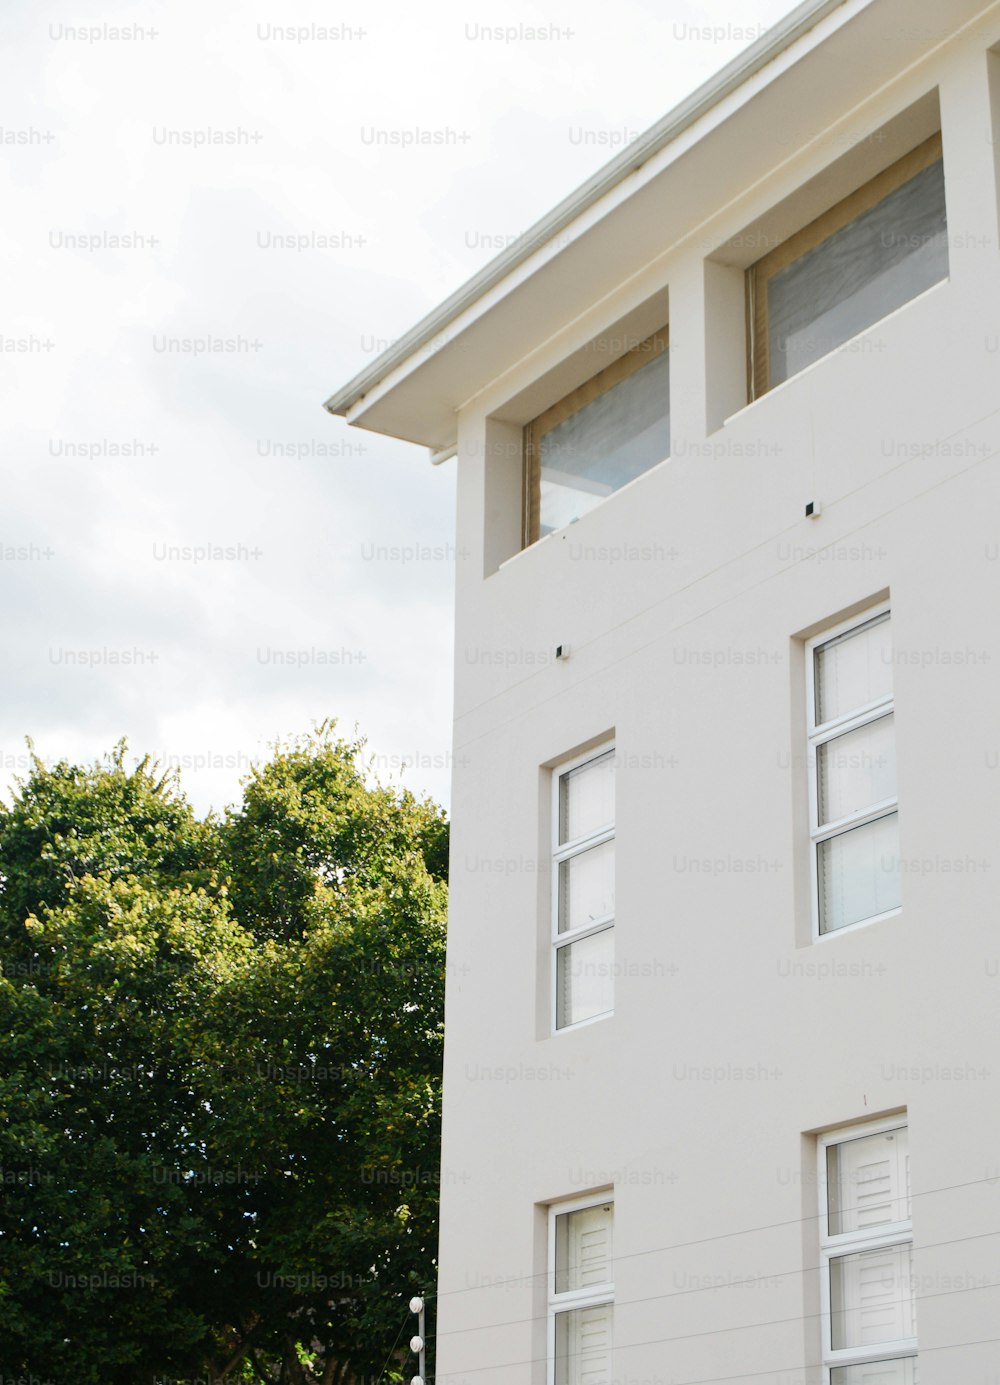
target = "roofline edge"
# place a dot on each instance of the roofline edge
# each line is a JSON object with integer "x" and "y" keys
{"x": 739, "y": 70}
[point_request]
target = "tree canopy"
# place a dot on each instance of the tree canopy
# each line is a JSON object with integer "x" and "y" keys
{"x": 220, "y": 1086}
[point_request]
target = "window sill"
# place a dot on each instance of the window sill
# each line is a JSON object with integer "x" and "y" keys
{"x": 582, "y": 1024}
{"x": 853, "y": 927}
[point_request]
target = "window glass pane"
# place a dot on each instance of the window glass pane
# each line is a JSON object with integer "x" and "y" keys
{"x": 587, "y": 798}
{"x": 872, "y": 1297}
{"x": 859, "y": 874}
{"x": 901, "y": 1371}
{"x": 610, "y": 441}
{"x": 583, "y": 1346}
{"x": 856, "y": 770}
{"x": 583, "y": 1248}
{"x": 858, "y": 275}
{"x": 868, "y": 1181}
{"x": 853, "y": 670}
{"x": 587, "y": 887}
{"x": 585, "y": 978}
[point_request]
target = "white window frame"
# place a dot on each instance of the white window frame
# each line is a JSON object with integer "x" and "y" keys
{"x": 850, "y": 1243}
{"x": 563, "y": 852}
{"x": 592, "y": 1297}
{"x": 819, "y": 733}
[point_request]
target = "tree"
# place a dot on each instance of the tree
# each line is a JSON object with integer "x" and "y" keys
{"x": 221, "y": 1079}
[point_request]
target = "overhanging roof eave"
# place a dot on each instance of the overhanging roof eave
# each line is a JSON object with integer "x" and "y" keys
{"x": 744, "y": 66}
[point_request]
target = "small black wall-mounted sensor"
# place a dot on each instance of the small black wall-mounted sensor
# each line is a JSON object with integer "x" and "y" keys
{"x": 813, "y": 509}
{"x": 562, "y": 651}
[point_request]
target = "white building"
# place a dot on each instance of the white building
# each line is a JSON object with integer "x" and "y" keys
{"x": 742, "y": 1126}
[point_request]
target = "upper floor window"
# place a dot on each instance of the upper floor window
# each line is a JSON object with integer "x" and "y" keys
{"x": 849, "y": 268}
{"x": 584, "y": 889}
{"x": 852, "y": 761}
{"x": 597, "y": 439}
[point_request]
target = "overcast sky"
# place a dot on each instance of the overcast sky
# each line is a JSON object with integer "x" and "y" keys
{"x": 211, "y": 221}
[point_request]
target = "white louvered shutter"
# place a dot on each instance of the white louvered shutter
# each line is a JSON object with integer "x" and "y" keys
{"x": 594, "y": 1344}
{"x": 583, "y": 1345}
{"x": 584, "y": 1248}
{"x": 869, "y": 1182}
{"x": 584, "y": 1265}
{"x": 872, "y": 1297}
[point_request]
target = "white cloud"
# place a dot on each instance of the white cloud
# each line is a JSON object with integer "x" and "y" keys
{"x": 92, "y": 368}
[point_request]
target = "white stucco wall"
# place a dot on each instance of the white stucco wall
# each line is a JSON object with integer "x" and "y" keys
{"x": 685, "y": 599}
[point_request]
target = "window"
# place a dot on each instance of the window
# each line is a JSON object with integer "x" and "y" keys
{"x": 849, "y": 268}
{"x": 852, "y": 771}
{"x": 866, "y": 1255}
{"x": 581, "y": 1293}
{"x": 597, "y": 439}
{"x": 583, "y": 876}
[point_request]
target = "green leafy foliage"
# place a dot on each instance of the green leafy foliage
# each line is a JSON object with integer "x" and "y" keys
{"x": 220, "y": 1087}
